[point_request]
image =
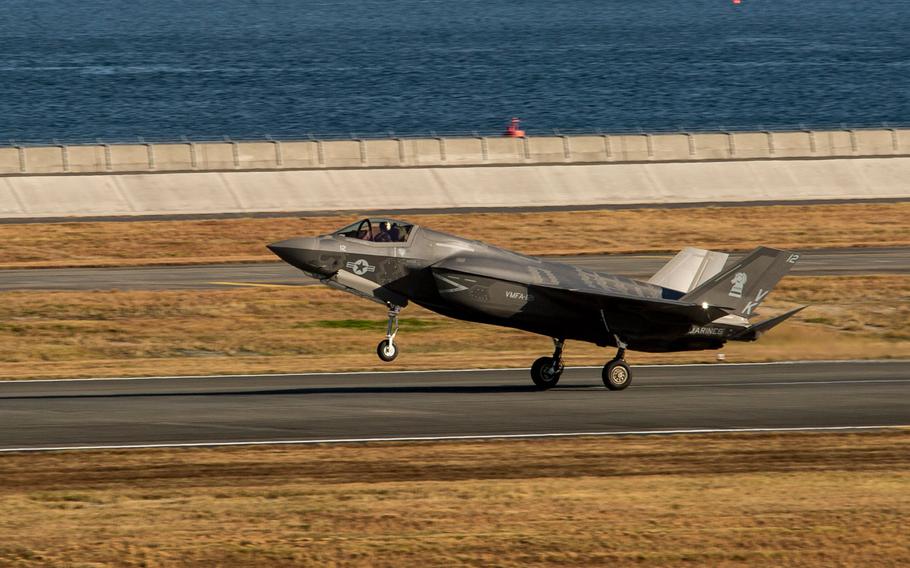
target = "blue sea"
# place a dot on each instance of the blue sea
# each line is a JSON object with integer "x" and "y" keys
{"x": 161, "y": 69}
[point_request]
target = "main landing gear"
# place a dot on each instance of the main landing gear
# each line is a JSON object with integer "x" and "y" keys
{"x": 545, "y": 372}
{"x": 387, "y": 350}
{"x": 616, "y": 374}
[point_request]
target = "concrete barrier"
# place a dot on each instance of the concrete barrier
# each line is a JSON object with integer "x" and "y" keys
{"x": 751, "y": 145}
{"x": 85, "y": 159}
{"x": 314, "y": 175}
{"x": 500, "y": 150}
{"x": 462, "y": 151}
{"x": 671, "y": 147}
{"x": 583, "y": 149}
{"x": 48, "y": 159}
{"x": 792, "y": 144}
{"x": 217, "y": 156}
{"x": 712, "y": 146}
{"x": 259, "y": 155}
{"x": 384, "y": 153}
{"x": 466, "y": 151}
{"x": 124, "y": 158}
{"x": 901, "y": 140}
{"x": 425, "y": 152}
{"x": 11, "y": 160}
{"x": 874, "y": 142}
{"x": 169, "y": 157}
{"x": 344, "y": 153}
{"x": 301, "y": 154}
{"x": 364, "y": 189}
{"x": 548, "y": 149}
{"x": 633, "y": 147}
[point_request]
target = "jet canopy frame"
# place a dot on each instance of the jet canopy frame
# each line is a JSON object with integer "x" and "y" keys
{"x": 378, "y": 230}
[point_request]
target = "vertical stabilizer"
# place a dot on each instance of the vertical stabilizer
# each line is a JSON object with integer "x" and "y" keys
{"x": 690, "y": 268}
{"x": 744, "y": 286}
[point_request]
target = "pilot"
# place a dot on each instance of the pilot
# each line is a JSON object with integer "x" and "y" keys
{"x": 385, "y": 233}
{"x": 396, "y": 233}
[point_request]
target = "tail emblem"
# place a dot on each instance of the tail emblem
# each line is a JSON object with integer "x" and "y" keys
{"x": 738, "y": 282}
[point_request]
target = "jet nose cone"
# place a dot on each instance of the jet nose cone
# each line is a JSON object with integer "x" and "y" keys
{"x": 305, "y": 254}
{"x": 295, "y": 244}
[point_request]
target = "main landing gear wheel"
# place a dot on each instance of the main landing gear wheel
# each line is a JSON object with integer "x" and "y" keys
{"x": 387, "y": 350}
{"x": 545, "y": 372}
{"x": 617, "y": 375}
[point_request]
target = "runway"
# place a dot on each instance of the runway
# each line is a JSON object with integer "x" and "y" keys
{"x": 421, "y": 405}
{"x": 812, "y": 263}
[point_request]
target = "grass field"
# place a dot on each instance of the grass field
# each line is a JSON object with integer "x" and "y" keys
{"x": 733, "y": 500}
{"x": 566, "y": 232}
{"x": 299, "y": 329}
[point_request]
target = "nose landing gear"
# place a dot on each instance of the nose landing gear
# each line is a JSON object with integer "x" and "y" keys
{"x": 387, "y": 350}
{"x": 545, "y": 372}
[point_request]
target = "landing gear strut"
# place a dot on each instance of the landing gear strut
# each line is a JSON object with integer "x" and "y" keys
{"x": 545, "y": 372}
{"x": 616, "y": 374}
{"x": 387, "y": 350}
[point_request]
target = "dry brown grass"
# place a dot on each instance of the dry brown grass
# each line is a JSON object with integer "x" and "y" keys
{"x": 755, "y": 500}
{"x": 569, "y": 232}
{"x": 48, "y": 334}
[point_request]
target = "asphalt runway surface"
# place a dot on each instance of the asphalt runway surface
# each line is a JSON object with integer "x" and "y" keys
{"x": 485, "y": 403}
{"x": 812, "y": 262}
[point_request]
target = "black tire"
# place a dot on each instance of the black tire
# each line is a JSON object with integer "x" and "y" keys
{"x": 617, "y": 375}
{"x": 386, "y": 350}
{"x": 544, "y": 375}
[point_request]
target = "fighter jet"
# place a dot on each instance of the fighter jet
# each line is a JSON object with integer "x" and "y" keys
{"x": 691, "y": 303}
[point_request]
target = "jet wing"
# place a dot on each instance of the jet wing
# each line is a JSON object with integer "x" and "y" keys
{"x": 557, "y": 284}
{"x": 649, "y": 308}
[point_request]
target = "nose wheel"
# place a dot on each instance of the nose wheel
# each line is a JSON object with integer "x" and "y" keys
{"x": 545, "y": 372}
{"x": 387, "y": 350}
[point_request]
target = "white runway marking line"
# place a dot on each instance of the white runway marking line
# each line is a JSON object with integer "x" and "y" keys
{"x": 430, "y": 371}
{"x": 254, "y": 284}
{"x": 781, "y": 383}
{"x": 458, "y": 438}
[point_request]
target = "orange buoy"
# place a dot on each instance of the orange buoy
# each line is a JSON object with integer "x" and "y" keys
{"x": 513, "y": 129}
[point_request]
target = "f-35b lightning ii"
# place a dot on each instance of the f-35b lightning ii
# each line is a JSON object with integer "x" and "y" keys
{"x": 691, "y": 303}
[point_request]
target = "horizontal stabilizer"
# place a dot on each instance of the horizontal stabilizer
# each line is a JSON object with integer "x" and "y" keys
{"x": 752, "y": 332}
{"x": 690, "y": 268}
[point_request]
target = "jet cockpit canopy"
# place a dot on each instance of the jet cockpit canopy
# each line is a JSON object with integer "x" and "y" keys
{"x": 378, "y": 230}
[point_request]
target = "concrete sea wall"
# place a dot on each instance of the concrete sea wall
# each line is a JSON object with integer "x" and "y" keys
{"x": 312, "y": 175}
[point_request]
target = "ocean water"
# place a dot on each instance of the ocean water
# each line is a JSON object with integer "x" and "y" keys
{"x": 161, "y": 69}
